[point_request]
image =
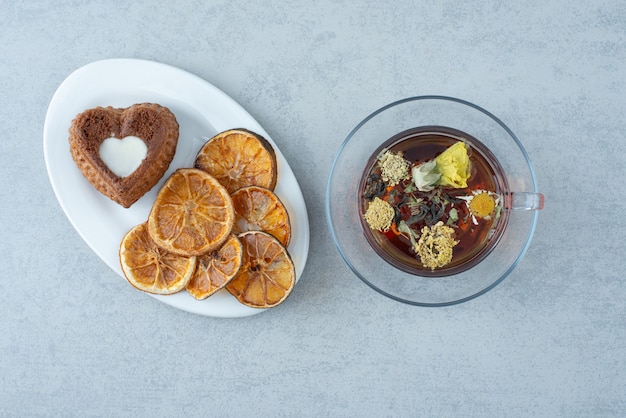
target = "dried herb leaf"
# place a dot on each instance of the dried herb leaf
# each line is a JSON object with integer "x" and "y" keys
{"x": 375, "y": 187}
{"x": 403, "y": 228}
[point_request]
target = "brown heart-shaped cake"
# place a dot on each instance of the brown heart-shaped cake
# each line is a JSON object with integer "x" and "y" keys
{"x": 124, "y": 152}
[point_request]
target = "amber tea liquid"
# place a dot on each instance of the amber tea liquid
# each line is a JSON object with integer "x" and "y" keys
{"x": 475, "y": 241}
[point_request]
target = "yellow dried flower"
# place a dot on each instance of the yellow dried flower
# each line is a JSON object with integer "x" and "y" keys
{"x": 379, "y": 215}
{"x": 393, "y": 168}
{"x": 454, "y": 166}
{"x": 482, "y": 205}
{"x": 435, "y": 245}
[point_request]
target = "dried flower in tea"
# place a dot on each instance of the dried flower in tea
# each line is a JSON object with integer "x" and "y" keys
{"x": 379, "y": 214}
{"x": 394, "y": 168}
{"x": 454, "y": 166}
{"x": 435, "y": 245}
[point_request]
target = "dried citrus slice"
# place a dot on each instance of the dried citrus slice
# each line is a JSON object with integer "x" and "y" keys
{"x": 267, "y": 274}
{"x": 259, "y": 209}
{"x": 151, "y": 268}
{"x": 239, "y": 158}
{"x": 192, "y": 214}
{"x": 215, "y": 269}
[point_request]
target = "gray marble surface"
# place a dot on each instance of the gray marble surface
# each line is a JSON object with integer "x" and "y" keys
{"x": 77, "y": 340}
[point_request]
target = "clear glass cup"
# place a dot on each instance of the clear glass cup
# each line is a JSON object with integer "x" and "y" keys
{"x": 522, "y": 201}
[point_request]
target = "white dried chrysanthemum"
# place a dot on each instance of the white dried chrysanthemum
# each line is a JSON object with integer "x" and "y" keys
{"x": 424, "y": 176}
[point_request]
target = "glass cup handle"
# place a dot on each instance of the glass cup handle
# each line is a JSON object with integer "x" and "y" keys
{"x": 524, "y": 201}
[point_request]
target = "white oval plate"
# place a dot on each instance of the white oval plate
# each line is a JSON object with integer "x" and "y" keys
{"x": 202, "y": 111}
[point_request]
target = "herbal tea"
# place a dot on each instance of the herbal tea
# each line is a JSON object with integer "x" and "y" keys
{"x": 431, "y": 201}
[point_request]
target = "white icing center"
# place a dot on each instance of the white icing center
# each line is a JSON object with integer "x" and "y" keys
{"x": 123, "y": 156}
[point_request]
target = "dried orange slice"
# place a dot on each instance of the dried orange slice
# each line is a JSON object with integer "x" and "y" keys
{"x": 259, "y": 209}
{"x": 192, "y": 214}
{"x": 239, "y": 158}
{"x": 150, "y": 268}
{"x": 215, "y": 269}
{"x": 267, "y": 274}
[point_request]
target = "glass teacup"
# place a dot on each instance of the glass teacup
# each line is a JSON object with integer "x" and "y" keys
{"x": 400, "y": 280}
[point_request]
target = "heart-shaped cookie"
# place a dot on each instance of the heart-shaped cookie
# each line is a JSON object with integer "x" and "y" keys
{"x": 124, "y": 152}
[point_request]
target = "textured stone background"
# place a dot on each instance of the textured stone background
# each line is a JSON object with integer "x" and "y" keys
{"x": 77, "y": 340}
